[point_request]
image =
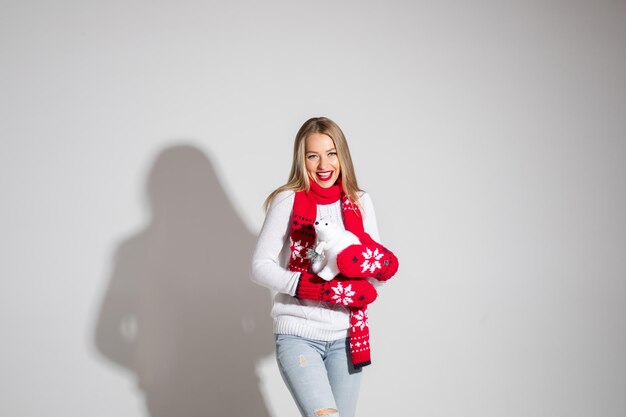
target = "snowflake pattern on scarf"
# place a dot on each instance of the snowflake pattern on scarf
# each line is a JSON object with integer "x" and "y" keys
{"x": 348, "y": 204}
{"x": 360, "y": 320}
{"x": 297, "y": 249}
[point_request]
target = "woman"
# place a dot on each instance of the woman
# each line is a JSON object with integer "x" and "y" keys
{"x": 322, "y": 338}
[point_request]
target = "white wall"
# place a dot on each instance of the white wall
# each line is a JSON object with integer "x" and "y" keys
{"x": 491, "y": 136}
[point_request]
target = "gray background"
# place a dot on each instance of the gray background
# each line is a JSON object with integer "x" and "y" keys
{"x": 140, "y": 138}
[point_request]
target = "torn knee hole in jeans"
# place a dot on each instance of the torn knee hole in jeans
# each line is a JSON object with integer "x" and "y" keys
{"x": 303, "y": 361}
{"x": 325, "y": 411}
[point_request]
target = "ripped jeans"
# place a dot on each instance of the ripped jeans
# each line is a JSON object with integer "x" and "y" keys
{"x": 319, "y": 375}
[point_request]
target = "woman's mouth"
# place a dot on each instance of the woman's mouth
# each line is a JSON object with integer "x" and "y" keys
{"x": 324, "y": 175}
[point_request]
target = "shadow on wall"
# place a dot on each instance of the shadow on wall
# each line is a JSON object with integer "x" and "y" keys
{"x": 180, "y": 311}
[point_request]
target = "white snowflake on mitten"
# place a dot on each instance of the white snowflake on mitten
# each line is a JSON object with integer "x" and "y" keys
{"x": 360, "y": 319}
{"x": 343, "y": 295}
{"x": 371, "y": 260}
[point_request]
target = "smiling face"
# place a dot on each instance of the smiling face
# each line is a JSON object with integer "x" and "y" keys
{"x": 320, "y": 156}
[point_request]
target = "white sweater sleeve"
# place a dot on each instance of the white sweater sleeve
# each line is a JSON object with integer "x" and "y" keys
{"x": 267, "y": 268}
{"x": 369, "y": 217}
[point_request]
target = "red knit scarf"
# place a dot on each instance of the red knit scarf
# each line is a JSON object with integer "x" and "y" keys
{"x": 302, "y": 237}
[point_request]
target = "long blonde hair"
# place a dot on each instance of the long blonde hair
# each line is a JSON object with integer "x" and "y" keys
{"x": 298, "y": 177}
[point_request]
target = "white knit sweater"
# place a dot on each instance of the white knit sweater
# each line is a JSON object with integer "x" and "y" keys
{"x": 305, "y": 318}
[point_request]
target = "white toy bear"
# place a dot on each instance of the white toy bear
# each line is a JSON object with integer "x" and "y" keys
{"x": 331, "y": 240}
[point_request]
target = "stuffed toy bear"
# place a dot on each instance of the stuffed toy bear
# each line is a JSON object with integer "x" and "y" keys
{"x": 331, "y": 240}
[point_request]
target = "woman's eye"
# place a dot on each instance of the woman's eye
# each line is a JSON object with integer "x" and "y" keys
{"x": 333, "y": 154}
{"x": 312, "y": 156}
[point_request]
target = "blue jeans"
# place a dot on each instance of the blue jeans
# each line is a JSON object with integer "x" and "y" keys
{"x": 319, "y": 375}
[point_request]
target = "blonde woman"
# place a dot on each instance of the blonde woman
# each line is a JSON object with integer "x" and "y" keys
{"x": 322, "y": 337}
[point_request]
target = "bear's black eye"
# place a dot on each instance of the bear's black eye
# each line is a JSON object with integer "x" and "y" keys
{"x": 326, "y": 224}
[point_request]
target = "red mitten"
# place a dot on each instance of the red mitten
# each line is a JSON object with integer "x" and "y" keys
{"x": 340, "y": 290}
{"x": 370, "y": 259}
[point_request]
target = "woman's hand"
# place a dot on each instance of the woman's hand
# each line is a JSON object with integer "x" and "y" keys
{"x": 370, "y": 259}
{"x": 348, "y": 292}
